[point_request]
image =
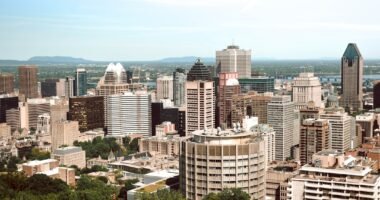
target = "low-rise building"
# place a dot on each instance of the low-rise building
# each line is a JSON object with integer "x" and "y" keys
{"x": 160, "y": 145}
{"x": 50, "y": 168}
{"x": 70, "y": 156}
{"x": 331, "y": 175}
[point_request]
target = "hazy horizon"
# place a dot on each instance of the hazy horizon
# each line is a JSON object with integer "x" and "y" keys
{"x": 143, "y": 30}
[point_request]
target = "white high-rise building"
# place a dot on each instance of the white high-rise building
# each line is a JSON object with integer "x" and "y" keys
{"x": 165, "y": 87}
{"x": 128, "y": 113}
{"x": 281, "y": 118}
{"x": 342, "y": 128}
{"x": 64, "y": 133}
{"x": 234, "y": 59}
{"x": 43, "y": 124}
{"x": 306, "y": 87}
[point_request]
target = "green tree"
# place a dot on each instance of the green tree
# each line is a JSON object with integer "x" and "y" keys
{"x": 42, "y": 184}
{"x": 37, "y": 154}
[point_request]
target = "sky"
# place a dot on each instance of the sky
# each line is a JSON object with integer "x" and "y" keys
{"x": 126, "y": 30}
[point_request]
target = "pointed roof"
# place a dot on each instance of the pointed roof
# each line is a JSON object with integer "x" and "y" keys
{"x": 199, "y": 72}
{"x": 352, "y": 51}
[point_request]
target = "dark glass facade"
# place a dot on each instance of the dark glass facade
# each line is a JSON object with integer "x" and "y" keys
{"x": 7, "y": 103}
{"x": 88, "y": 111}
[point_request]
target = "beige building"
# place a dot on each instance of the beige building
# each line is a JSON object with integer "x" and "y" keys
{"x": 277, "y": 176}
{"x": 233, "y": 59}
{"x": 331, "y": 175}
{"x": 18, "y": 118}
{"x": 342, "y": 128}
{"x": 306, "y": 87}
{"x": 211, "y": 160}
{"x": 5, "y": 132}
{"x": 314, "y": 137}
{"x": 64, "y": 133}
{"x": 70, "y": 155}
{"x": 37, "y": 107}
{"x": 50, "y": 168}
{"x": 160, "y": 145}
{"x": 352, "y": 64}
{"x": 200, "y": 103}
{"x": 165, "y": 87}
{"x": 250, "y": 104}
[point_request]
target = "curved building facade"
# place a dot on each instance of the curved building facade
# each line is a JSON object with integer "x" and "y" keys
{"x": 211, "y": 160}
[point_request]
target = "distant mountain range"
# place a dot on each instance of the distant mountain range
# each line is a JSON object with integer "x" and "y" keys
{"x": 58, "y": 59}
{"x": 187, "y": 59}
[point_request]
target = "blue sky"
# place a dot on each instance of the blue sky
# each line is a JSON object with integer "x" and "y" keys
{"x": 153, "y": 29}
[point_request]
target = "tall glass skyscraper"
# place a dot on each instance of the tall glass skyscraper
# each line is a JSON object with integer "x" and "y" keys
{"x": 81, "y": 82}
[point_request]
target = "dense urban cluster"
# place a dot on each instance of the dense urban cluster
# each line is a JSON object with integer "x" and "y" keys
{"x": 219, "y": 131}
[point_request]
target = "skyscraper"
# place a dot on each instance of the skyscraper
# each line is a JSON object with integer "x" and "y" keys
{"x": 314, "y": 137}
{"x": 179, "y": 87}
{"x": 250, "y": 104}
{"x": 376, "y": 95}
{"x": 211, "y": 160}
{"x": 342, "y": 128}
{"x": 115, "y": 81}
{"x": 200, "y": 103}
{"x": 88, "y": 111}
{"x": 69, "y": 87}
{"x": 28, "y": 81}
{"x": 53, "y": 87}
{"x": 164, "y": 87}
{"x": 352, "y": 78}
{"x": 81, "y": 82}
{"x": 64, "y": 133}
{"x": 281, "y": 118}
{"x": 6, "y": 83}
{"x": 128, "y": 113}
{"x": 37, "y": 107}
{"x": 260, "y": 84}
{"x": 234, "y": 59}
{"x": 306, "y": 88}
{"x": 228, "y": 86}
{"x": 6, "y": 103}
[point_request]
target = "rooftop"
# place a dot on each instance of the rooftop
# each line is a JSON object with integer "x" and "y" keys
{"x": 67, "y": 150}
{"x": 39, "y": 162}
{"x": 352, "y": 52}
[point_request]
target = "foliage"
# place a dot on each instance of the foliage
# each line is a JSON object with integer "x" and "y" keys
{"x": 161, "y": 194}
{"x": 12, "y": 164}
{"x": 228, "y": 194}
{"x": 15, "y": 185}
{"x": 128, "y": 185}
{"x": 132, "y": 146}
{"x": 95, "y": 168}
{"x": 88, "y": 188}
{"x": 99, "y": 146}
{"x": 37, "y": 154}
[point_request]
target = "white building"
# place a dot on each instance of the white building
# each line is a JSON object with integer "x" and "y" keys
{"x": 234, "y": 59}
{"x": 306, "y": 87}
{"x": 332, "y": 175}
{"x": 165, "y": 87}
{"x": 128, "y": 113}
{"x": 268, "y": 134}
{"x": 342, "y": 128}
{"x": 281, "y": 118}
{"x": 179, "y": 87}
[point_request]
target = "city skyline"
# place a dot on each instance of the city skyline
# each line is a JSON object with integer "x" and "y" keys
{"x": 137, "y": 30}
